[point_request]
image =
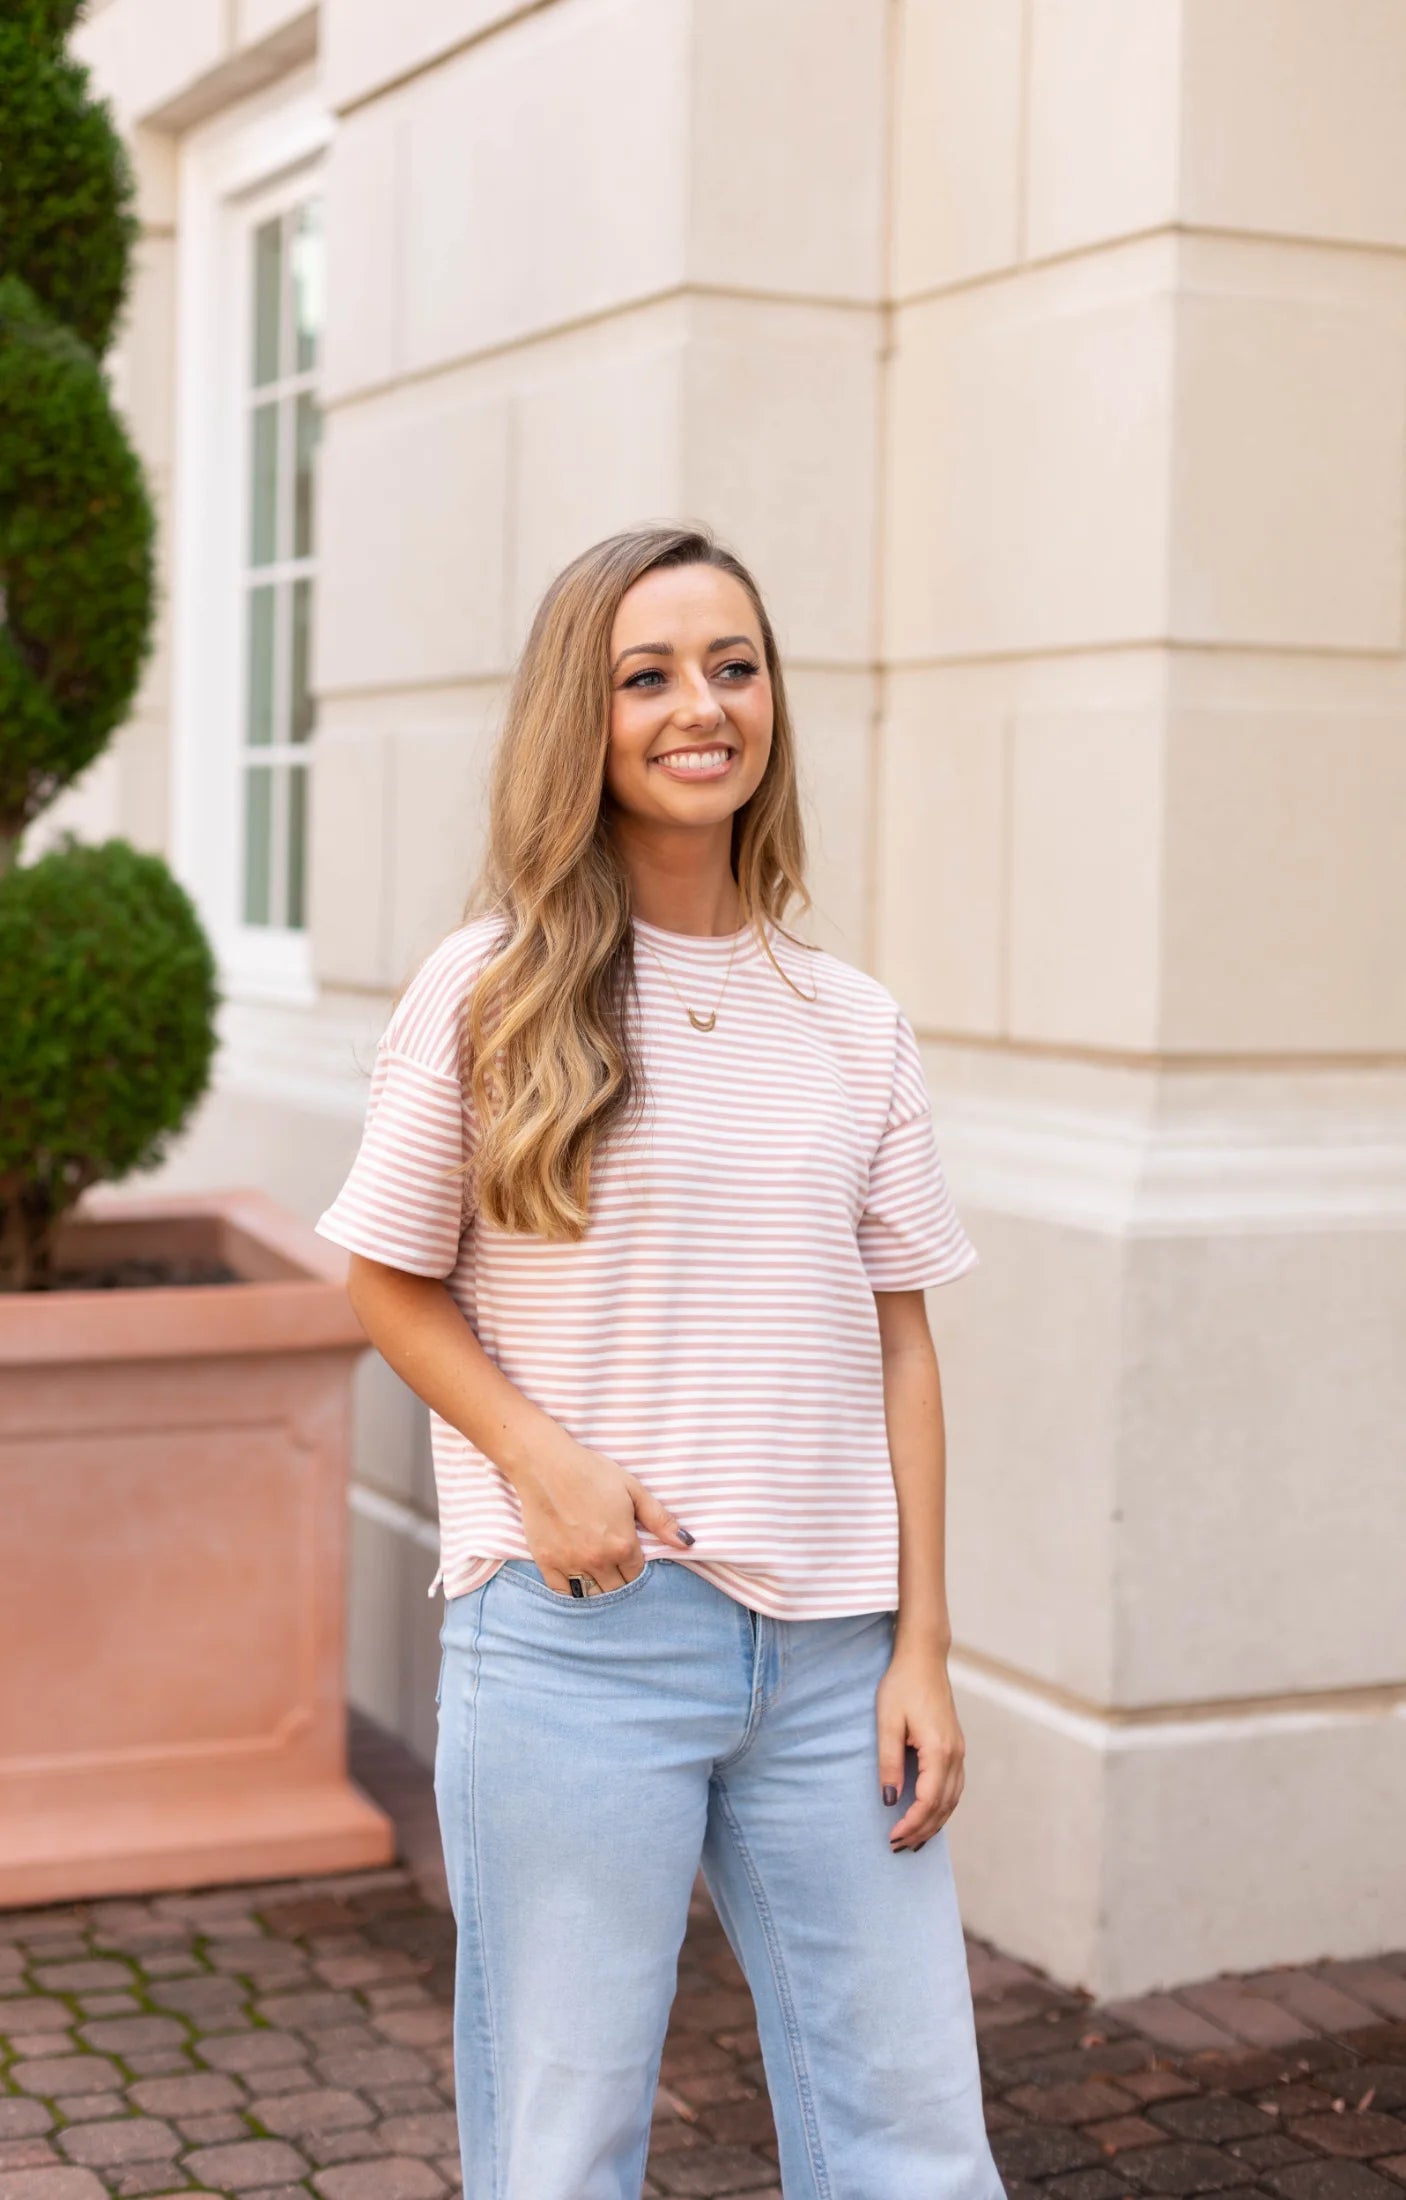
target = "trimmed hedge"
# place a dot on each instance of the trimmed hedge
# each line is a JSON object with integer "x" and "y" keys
{"x": 107, "y": 1001}
{"x": 66, "y": 219}
{"x": 76, "y": 556}
{"x": 107, "y": 983}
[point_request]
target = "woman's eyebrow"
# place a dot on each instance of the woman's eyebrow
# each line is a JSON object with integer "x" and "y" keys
{"x": 666, "y": 649}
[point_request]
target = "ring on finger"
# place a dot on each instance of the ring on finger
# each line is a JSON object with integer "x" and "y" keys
{"x": 583, "y": 1585}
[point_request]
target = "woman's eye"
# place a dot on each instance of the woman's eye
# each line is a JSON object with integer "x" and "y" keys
{"x": 651, "y": 672}
{"x": 739, "y": 664}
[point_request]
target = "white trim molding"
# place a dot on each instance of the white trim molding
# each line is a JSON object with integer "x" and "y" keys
{"x": 1269, "y": 1156}
{"x": 226, "y": 166}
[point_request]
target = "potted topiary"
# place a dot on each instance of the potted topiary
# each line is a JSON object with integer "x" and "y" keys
{"x": 174, "y": 1375}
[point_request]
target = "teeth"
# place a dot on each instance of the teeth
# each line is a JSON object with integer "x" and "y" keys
{"x": 694, "y": 760}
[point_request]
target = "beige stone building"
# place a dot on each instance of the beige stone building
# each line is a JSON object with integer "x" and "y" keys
{"x": 1047, "y": 358}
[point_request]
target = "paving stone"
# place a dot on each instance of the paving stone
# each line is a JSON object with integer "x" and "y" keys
{"x": 1394, "y": 2165}
{"x": 1043, "y": 2150}
{"x": 344, "y": 2039}
{"x": 25, "y": 2154}
{"x": 1156, "y": 2084}
{"x": 176, "y": 1964}
{"x": 202, "y": 2093}
{"x": 34, "y": 2013}
{"x": 128, "y": 2036}
{"x": 1184, "y": 2167}
{"x": 405, "y": 2100}
{"x": 1164, "y": 2018}
{"x": 21, "y": 2119}
{"x": 90, "y": 2108}
{"x": 1247, "y": 2069}
{"x": 201, "y": 1997}
{"x": 329, "y": 2148}
{"x": 1122, "y": 2132}
{"x": 81, "y": 1978}
{"x": 376, "y": 2066}
{"x": 149, "y": 2177}
{"x": 416, "y": 2027}
{"x": 211, "y": 2131}
{"x": 158, "y": 2062}
{"x": 325, "y": 2109}
{"x": 247, "y": 2165}
{"x": 1213, "y": 2117}
{"x": 282, "y": 2078}
{"x": 108, "y": 2005}
{"x": 711, "y": 2171}
{"x": 1251, "y": 2016}
{"x": 1270, "y": 2153}
{"x": 1353, "y": 2134}
{"x": 315, "y": 1914}
{"x": 314, "y": 2012}
{"x": 1329, "y": 2180}
{"x": 1058, "y": 2104}
{"x": 1088, "y": 2184}
{"x": 1320, "y": 2004}
{"x": 397, "y": 2177}
{"x": 1385, "y": 2082}
{"x": 251, "y": 2051}
{"x": 65, "y": 2074}
{"x": 435, "y": 2132}
{"x": 113, "y": 2145}
{"x": 65, "y": 2183}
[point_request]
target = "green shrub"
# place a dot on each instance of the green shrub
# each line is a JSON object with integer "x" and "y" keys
{"x": 107, "y": 984}
{"x": 66, "y": 221}
{"x": 107, "y": 1000}
{"x": 76, "y": 533}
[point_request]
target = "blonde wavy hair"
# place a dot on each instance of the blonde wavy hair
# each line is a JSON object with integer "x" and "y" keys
{"x": 546, "y": 1055}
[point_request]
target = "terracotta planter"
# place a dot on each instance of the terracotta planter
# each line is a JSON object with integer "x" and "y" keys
{"x": 173, "y": 1470}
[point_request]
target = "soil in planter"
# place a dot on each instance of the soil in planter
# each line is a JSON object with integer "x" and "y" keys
{"x": 140, "y": 1275}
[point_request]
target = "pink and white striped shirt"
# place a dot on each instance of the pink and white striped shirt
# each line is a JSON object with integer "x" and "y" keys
{"x": 715, "y": 1330}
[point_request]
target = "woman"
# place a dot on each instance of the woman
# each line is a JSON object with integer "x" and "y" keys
{"x": 645, "y": 1209}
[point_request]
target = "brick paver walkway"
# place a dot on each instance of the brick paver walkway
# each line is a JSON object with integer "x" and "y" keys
{"x": 268, "y": 2042}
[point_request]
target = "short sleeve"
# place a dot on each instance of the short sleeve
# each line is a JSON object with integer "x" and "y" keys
{"x": 909, "y": 1235}
{"x": 403, "y": 1201}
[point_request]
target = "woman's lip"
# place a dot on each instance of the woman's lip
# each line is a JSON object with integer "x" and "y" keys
{"x": 695, "y": 771}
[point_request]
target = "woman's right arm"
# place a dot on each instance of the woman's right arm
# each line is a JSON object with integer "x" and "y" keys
{"x": 579, "y": 1509}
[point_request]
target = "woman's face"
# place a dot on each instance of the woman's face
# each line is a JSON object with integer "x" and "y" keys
{"x": 690, "y": 703}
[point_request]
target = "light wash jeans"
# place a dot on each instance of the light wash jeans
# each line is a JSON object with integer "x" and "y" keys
{"x": 591, "y": 1753}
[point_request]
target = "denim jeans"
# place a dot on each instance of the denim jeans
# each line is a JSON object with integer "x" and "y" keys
{"x": 592, "y": 1753}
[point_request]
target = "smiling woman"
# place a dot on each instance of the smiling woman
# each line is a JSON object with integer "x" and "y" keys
{"x": 650, "y": 1233}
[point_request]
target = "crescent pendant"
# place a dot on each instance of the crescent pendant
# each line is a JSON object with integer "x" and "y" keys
{"x": 703, "y": 1023}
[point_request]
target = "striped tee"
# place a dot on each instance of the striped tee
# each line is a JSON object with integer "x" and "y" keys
{"x": 715, "y": 1331}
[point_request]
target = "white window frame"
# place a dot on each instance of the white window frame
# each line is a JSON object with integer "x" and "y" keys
{"x": 228, "y": 169}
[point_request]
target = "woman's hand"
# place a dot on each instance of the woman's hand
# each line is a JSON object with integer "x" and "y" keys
{"x": 581, "y": 1514}
{"x": 914, "y": 1709}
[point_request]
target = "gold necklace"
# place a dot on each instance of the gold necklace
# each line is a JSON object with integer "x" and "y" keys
{"x": 699, "y": 1023}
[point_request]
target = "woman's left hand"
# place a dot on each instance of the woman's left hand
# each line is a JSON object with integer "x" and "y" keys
{"x": 915, "y": 1710}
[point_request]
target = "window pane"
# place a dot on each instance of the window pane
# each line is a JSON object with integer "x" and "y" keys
{"x": 268, "y": 294}
{"x": 259, "y": 668}
{"x": 307, "y": 430}
{"x": 263, "y": 485}
{"x": 258, "y": 843}
{"x": 297, "y": 845}
{"x": 307, "y": 264}
{"x": 301, "y": 709}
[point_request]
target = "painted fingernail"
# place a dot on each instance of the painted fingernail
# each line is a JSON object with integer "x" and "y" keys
{"x": 890, "y": 1795}
{"x": 685, "y": 1537}
{"x": 919, "y": 1845}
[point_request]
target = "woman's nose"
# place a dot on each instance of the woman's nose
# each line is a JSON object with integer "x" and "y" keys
{"x": 698, "y": 706}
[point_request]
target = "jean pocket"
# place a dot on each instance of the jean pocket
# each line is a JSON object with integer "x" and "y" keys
{"x": 528, "y": 1576}
{"x": 439, "y": 1684}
